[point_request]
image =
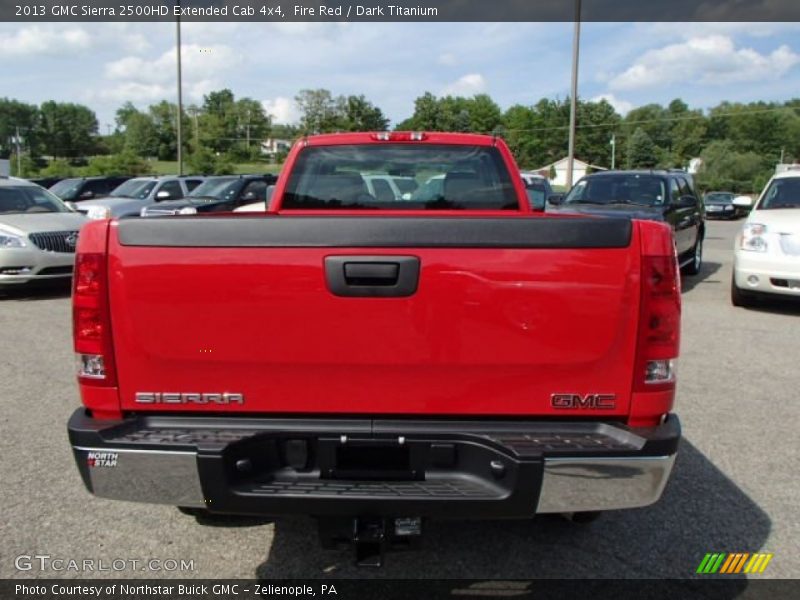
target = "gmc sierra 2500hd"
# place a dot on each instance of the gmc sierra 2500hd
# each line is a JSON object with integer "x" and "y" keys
{"x": 374, "y": 360}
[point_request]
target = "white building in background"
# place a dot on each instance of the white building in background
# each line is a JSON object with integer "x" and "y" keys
{"x": 272, "y": 147}
{"x": 579, "y": 169}
{"x": 695, "y": 164}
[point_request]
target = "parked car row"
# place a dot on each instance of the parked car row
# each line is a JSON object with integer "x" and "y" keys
{"x": 38, "y": 227}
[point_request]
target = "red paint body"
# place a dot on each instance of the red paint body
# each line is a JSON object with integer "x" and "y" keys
{"x": 488, "y": 332}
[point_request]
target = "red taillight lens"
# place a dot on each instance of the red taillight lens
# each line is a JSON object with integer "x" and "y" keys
{"x": 91, "y": 321}
{"x": 659, "y": 324}
{"x": 88, "y": 273}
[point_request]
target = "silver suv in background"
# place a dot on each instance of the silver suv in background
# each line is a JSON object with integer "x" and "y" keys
{"x": 135, "y": 194}
{"x": 38, "y": 233}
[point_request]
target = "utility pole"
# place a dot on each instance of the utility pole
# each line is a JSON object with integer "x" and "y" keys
{"x": 248, "y": 129}
{"x": 19, "y": 154}
{"x": 613, "y": 150}
{"x": 573, "y": 108}
{"x": 180, "y": 96}
{"x": 194, "y": 111}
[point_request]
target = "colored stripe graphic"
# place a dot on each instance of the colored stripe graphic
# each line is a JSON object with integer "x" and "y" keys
{"x": 736, "y": 562}
{"x": 731, "y": 560}
{"x": 717, "y": 564}
{"x": 703, "y": 564}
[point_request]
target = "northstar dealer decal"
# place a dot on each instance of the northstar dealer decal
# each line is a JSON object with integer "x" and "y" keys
{"x": 102, "y": 459}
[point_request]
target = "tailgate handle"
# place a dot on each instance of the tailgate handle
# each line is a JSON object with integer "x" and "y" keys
{"x": 372, "y": 276}
{"x": 359, "y": 273}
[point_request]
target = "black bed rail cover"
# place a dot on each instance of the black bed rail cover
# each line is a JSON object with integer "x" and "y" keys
{"x": 375, "y": 232}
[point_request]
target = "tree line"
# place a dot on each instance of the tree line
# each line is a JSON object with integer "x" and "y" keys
{"x": 739, "y": 144}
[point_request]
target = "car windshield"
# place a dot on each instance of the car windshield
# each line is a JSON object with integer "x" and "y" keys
{"x": 134, "y": 188}
{"x": 782, "y": 193}
{"x": 67, "y": 188}
{"x": 29, "y": 199}
{"x": 645, "y": 190}
{"x": 223, "y": 188}
{"x": 449, "y": 177}
{"x": 719, "y": 198}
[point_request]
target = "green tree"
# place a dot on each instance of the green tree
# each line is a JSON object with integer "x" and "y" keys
{"x": 361, "y": 115}
{"x": 641, "y": 151}
{"x": 688, "y": 132}
{"x": 519, "y": 122}
{"x": 204, "y": 162}
{"x": 597, "y": 120}
{"x": 141, "y": 136}
{"x": 485, "y": 115}
{"x": 58, "y": 168}
{"x": 319, "y": 111}
{"x": 726, "y": 168}
{"x": 124, "y": 163}
{"x": 67, "y": 130}
{"x": 15, "y": 116}
{"x": 426, "y": 115}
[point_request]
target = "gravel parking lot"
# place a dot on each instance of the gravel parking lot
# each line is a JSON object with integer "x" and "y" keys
{"x": 734, "y": 488}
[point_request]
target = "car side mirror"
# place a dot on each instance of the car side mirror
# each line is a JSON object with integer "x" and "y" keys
{"x": 555, "y": 199}
{"x": 87, "y": 195}
{"x": 162, "y": 195}
{"x": 743, "y": 201}
{"x": 686, "y": 202}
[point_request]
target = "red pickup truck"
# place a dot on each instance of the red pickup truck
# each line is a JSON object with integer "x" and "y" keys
{"x": 373, "y": 359}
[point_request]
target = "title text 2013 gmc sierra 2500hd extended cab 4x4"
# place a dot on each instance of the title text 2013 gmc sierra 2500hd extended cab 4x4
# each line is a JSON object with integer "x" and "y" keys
{"x": 374, "y": 361}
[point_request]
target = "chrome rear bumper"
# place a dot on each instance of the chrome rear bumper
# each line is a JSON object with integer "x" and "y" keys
{"x": 483, "y": 474}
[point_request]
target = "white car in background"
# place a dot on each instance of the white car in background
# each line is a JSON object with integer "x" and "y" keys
{"x": 38, "y": 234}
{"x": 767, "y": 249}
{"x": 254, "y": 207}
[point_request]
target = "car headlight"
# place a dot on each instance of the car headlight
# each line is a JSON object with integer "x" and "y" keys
{"x": 753, "y": 237}
{"x": 98, "y": 212}
{"x": 11, "y": 240}
{"x": 188, "y": 210}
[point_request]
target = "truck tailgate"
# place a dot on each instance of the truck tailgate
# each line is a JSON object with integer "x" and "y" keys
{"x": 505, "y": 313}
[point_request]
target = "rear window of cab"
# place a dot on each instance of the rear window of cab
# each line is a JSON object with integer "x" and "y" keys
{"x": 425, "y": 176}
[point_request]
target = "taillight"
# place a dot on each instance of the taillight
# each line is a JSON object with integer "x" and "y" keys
{"x": 91, "y": 320}
{"x": 659, "y": 324}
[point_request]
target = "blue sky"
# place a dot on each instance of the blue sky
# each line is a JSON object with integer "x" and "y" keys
{"x": 105, "y": 64}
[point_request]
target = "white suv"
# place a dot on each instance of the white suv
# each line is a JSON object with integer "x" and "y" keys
{"x": 767, "y": 249}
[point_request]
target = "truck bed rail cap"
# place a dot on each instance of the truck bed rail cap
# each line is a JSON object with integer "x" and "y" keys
{"x": 375, "y": 232}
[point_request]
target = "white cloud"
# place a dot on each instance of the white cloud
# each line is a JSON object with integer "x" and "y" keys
{"x": 38, "y": 40}
{"x": 447, "y": 59}
{"x": 712, "y": 59}
{"x": 283, "y": 110}
{"x": 136, "y": 92}
{"x": 197, "y": 61}
{"x": 468, "y": 85}
{"x": 623, "y": 107}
